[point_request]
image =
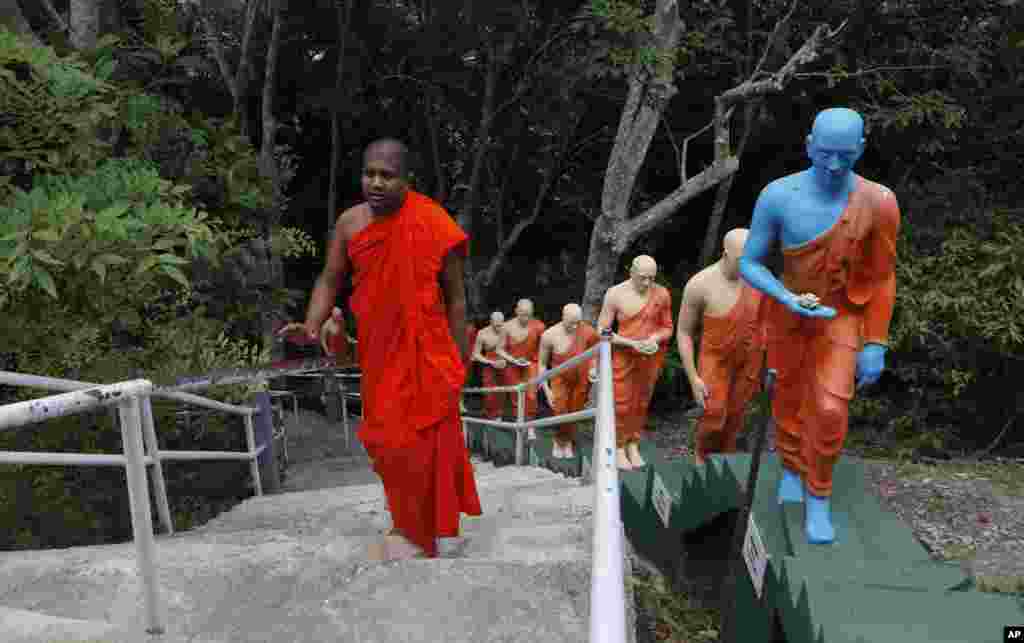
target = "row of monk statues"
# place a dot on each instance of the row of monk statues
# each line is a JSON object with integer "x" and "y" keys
{"x": 822, "y": 325}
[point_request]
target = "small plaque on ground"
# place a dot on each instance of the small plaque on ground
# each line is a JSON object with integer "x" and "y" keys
{"x": 661, "y": 498}
{"x": 756, "y": 555}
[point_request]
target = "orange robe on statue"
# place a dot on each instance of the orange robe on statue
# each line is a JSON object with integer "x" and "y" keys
{"x": 571, "y": 388}
{"x": 850, "y": 267}
{"x": 732, "y": 348}
{"x": 494, "y": 403}
{"x": 528, "y": 349}
{"x": 412, "y": 371}
{"x": 635, "y": 374}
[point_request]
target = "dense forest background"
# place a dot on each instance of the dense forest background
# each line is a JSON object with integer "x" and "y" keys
{"x": 170, "y": 172}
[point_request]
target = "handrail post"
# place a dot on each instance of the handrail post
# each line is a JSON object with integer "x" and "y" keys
{"x": 520, "y": 419}
{"x": 607, "y": 590}
{"x": 152, "y": 446}
{"x": 142, "y": 519}
{"x": 342, "y": 395}
{"x": 254, "y": 465}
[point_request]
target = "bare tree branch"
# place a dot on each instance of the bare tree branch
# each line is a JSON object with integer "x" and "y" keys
{"x": 52, "y": 12}
{"x": 866, "y": 72}
{"x": 662, "y": 210}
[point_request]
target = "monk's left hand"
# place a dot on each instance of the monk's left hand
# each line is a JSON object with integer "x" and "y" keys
{"x": 870, "y": 364}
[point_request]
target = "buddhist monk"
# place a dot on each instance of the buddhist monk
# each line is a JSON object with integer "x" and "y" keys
{"x": 520, "y": 347}
{"x": 828, "y": 316}
{"x": 406, "y": 256}
{"x": 643, "y": 310}
{"x": 485, "y": 353}
{"x": 567, "y": 392}
{"x": 728, "y": 312}
{"x": 335, "y": 340}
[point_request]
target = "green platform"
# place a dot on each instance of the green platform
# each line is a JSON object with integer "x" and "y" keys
{"x": 876, "y": 584}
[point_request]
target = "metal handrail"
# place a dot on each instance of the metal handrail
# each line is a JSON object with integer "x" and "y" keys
{"x": 156, "y": 456}
{"x": 126, "y": 396}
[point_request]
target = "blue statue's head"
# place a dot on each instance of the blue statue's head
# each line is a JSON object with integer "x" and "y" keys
{"x": 835, "y": 144}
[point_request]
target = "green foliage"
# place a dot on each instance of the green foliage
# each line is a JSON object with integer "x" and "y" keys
{"x": 51, "y": 108}
{"x": 67, "y": 236}
{"x": 293, "y": 243}
{"x": 629, "y": 31}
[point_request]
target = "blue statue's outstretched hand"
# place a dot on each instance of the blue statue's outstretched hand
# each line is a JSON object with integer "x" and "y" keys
{"x": 818, "y": 311}
{"x": 870, "y": 364}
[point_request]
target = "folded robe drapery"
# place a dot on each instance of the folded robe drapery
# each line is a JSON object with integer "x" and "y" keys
{"x": 731, "y": 356}
{"x": 529, "y": 350}
{"x": 412, "y": 371}
{"x": 635, "y": 374}
{"x": 850, "y": 267}
{"x": 571, "y": 387}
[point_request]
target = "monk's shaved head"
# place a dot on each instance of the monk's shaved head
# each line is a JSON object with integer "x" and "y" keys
{"x": 571, "y": 313}
{"x": 735, "y": 240}
{"x": 524, "y": 306}
{"x": 497, "y": 317}
{"x": 391, "y": 149}
{"x": 645, "y": 264}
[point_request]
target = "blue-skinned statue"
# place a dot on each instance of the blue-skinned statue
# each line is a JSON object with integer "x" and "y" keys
{"x": 829, "y": 314}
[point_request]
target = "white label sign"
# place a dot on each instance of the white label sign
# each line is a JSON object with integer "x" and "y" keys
{"x": 756, "y": 555}
{"x": 661, "y": 498}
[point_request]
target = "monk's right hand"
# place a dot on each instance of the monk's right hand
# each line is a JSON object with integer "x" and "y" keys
{"x": 300, "y": 329}
{"x": 701, "y": 392}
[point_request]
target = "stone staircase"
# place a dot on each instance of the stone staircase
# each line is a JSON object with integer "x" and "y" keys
{"x": 291, "y": 568}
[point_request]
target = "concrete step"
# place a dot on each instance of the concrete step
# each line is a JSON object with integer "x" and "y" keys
{"x": 316, "y": 589}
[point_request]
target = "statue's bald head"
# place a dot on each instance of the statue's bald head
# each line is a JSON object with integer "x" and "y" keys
{"x": 838, "y": 121}
{"x": 642, "y": 272}
{"x": 571, "y": 314}
{"x": 390, "y": 149}
{"x": 524, "y": 310}
{"x": 645, "y": 264}
{"x": 497, "y": 318}
{"x": 734, "y": 241}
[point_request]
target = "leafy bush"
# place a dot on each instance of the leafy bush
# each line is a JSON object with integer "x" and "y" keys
{"x": 51, "y": 108}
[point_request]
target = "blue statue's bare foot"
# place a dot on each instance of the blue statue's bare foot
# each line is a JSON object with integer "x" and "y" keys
{"x": 818, "y": 521}
{"x": 791, "y": 487}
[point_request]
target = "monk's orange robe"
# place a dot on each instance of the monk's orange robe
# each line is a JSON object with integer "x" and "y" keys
{"x": 850, "y": 267}
{"x": 570, "y": 388}
{"x": 732, "y": 350}
{"x": 494, "y": 403}
{"x": 635, "y": 374}
{"x": 528, "y": 349}
{"x": 412, "y": 372}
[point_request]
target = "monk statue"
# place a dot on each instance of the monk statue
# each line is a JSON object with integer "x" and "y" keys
{"x": 643, "y": 311}
{"x": 567, "y": 392}
{"x": 485, "y": 353}
{"x": 520, "y": 346}
{"x": 334, "y": 338}
{"x": 828, "y": 317}
{"x": 728, "y": 312}
{"x": 406, "y": 256}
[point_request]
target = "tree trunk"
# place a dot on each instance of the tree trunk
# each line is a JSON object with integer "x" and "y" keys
{"x": 12, "y": 18}
{"x": 84, "y": 23}
{"x": 471, "y": 201}
{"x": 440, "y": 180}
{"x": 712, "y": 237}
{"x": 648, "y": 94}
{"x": 332, "y": 195}
{"x": 269, "y": 163}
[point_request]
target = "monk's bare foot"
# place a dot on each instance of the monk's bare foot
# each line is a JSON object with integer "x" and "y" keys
{"x": 531, "y": 434}
{"x": 394, "y": 546}
{"x": 634, "y": 455}
{"x": 567, "y": 451}
{"x": 621, "y": 461}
